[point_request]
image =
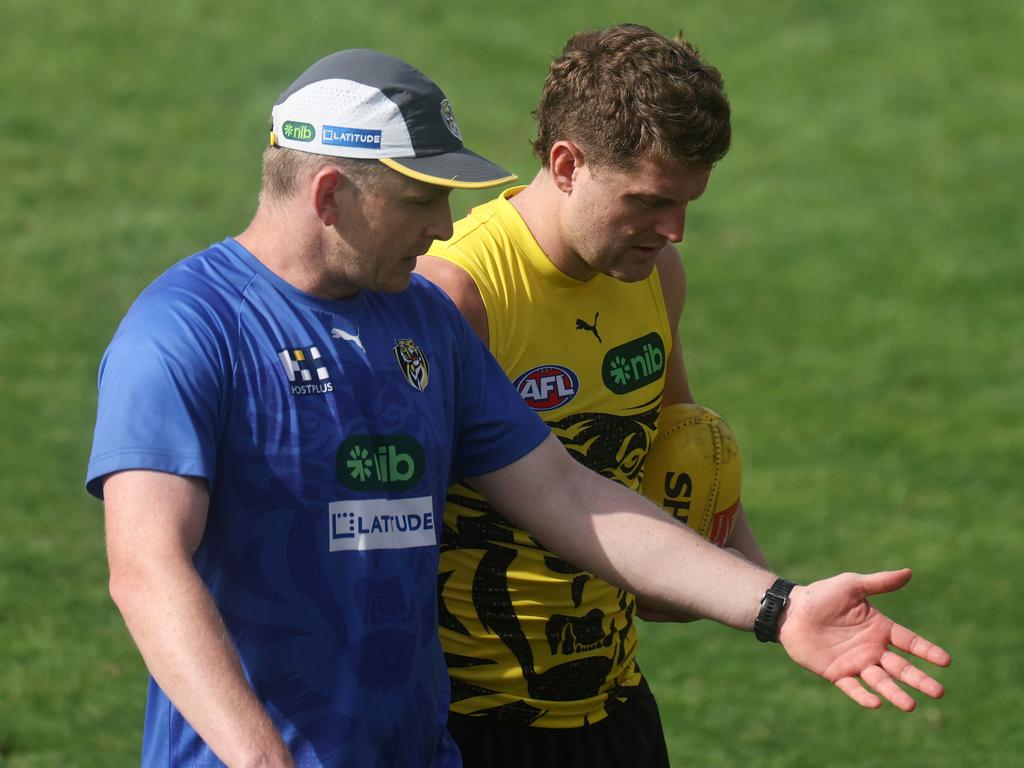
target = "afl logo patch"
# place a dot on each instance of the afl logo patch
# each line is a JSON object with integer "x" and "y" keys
{"x": 547, "y": 387}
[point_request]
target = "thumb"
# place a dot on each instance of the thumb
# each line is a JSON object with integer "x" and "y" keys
{"x": 884, "y": 581}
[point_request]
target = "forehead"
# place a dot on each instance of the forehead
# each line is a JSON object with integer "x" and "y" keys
{"x": 648, "y": 177}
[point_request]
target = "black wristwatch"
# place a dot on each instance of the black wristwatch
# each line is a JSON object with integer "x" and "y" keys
{"x": 766, "y": 625}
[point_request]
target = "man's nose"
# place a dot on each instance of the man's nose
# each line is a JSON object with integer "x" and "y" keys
{"x": 671, "y": 225}
{"x": 441, "y": 228}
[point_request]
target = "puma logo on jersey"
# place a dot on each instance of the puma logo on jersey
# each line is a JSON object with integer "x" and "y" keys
{"x": 583, "y": 325}
{"x": 337, "y": 333}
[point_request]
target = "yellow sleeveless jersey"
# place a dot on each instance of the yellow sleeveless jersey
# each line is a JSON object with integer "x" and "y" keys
{"x": 529, "y": 637}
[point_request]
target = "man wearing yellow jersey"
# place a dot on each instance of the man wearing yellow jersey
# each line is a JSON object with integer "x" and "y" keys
{"x": 574, "y": 283}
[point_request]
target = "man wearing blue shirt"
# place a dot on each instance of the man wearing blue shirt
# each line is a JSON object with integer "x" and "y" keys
{"x": 279, "y": 418}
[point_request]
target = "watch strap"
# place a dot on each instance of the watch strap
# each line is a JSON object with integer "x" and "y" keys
{"x": 766, "y": 625}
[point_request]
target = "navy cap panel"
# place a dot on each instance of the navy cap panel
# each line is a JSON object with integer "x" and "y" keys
{"x": 362, "y": 65}
{"x": 426, "y": 126}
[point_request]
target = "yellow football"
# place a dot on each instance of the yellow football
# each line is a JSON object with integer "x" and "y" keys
{"x": 693, "y": 470}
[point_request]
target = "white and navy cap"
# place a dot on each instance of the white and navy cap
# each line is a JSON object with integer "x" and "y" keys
{"x": 365, "y": 104}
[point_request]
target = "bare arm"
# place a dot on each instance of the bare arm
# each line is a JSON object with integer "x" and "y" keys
{"x": 828, "y": 627}
{"x": 672, "y": 274}
{"x": 618, "y": 535}
{"x": 742, "y": 541}
{"x": 460, "y": 288}
{"x": 154, "y": 524}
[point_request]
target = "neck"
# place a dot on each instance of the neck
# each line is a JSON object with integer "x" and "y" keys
{"x": 540, "y": 206}
{"x": 292, "y": 248}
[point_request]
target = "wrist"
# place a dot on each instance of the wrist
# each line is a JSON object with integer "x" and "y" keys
{"x": 772, "y": 613}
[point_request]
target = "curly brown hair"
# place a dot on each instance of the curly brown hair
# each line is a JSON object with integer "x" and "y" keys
{"x": 627, "y": 91}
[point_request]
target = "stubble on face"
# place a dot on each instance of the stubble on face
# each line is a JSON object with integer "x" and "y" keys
{"x": 391, "y": 222}
{"x": 621, "y": 219}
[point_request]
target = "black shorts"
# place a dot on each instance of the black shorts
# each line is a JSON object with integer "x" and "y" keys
{"x": 630, "y": 737}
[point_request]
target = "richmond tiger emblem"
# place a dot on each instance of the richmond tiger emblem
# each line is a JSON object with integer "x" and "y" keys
{"x": 413, "y": 363}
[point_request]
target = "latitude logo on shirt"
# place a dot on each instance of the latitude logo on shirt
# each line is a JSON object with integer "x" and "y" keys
{"x": 306, "y": 371}
{"x": 364, "y": 524}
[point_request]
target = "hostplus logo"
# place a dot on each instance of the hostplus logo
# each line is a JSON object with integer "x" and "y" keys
{"x": 635, "y": 364}
{"x": 306, "y": 372}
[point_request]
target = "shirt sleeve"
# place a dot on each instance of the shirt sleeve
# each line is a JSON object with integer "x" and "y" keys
{"x": 162, "y": 385}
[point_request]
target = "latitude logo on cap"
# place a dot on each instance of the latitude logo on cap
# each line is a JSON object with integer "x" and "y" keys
{"x": 339, "y": 136}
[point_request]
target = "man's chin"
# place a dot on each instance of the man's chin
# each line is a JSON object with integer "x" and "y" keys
{"x": 632, "y": 272}
{"x": 397, "y": 283}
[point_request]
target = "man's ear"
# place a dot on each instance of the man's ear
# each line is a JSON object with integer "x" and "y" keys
{"x": 327, "y": 182}
{"x": 565, "y": 159}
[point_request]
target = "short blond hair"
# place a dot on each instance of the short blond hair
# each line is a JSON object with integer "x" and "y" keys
{"x": 284, "y": 169}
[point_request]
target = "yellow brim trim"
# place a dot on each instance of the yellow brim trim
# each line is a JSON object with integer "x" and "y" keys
{"x": 440, "y": 181}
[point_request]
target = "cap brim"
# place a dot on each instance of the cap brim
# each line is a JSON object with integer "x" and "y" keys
{"x": 462, "y": 169}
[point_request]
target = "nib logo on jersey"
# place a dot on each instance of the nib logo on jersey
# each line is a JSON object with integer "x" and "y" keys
{"x": 380, "y": 463}
{"x": 306, "y": 372}
{"x": 635, "y": 364}
{"x": 547, "y": 386}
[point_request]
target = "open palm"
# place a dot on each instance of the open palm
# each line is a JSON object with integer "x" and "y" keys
{"x": 831, "y": 629}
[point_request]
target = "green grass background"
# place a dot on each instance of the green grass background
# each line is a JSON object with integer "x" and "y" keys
{"x": 855, "y": 311}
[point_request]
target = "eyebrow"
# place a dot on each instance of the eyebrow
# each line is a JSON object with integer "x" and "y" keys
{"x": 655, "y": 199}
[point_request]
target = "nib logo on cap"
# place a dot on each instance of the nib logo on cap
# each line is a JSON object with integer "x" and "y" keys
{"x": 298, "y": 131}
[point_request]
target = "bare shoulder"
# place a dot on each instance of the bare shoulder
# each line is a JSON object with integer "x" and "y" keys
{"x": 672, "y": 274}
{"x": 460, "y": 287}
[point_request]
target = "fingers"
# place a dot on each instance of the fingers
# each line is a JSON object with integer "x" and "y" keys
{"x": 855, "y": 691}
{"x": 911, "y": 642}
{"x": 884, "y": 581}
{"x": 882, "y": 682}
{"x": 905, "y": 672}
{"x": 884, "y": 679}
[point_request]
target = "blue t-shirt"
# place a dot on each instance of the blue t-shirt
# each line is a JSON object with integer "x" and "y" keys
{"x": 328, "y": 433}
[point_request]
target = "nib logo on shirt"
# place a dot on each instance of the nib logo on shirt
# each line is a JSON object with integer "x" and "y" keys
{"x": 380, "y": 462}
{"x": 634, "y": 364}
{"x": 306, "y": 371}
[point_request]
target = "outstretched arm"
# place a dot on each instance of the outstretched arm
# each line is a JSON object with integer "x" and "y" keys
{"x": 829, "y": 627}
{"x": 154, "y": 523}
